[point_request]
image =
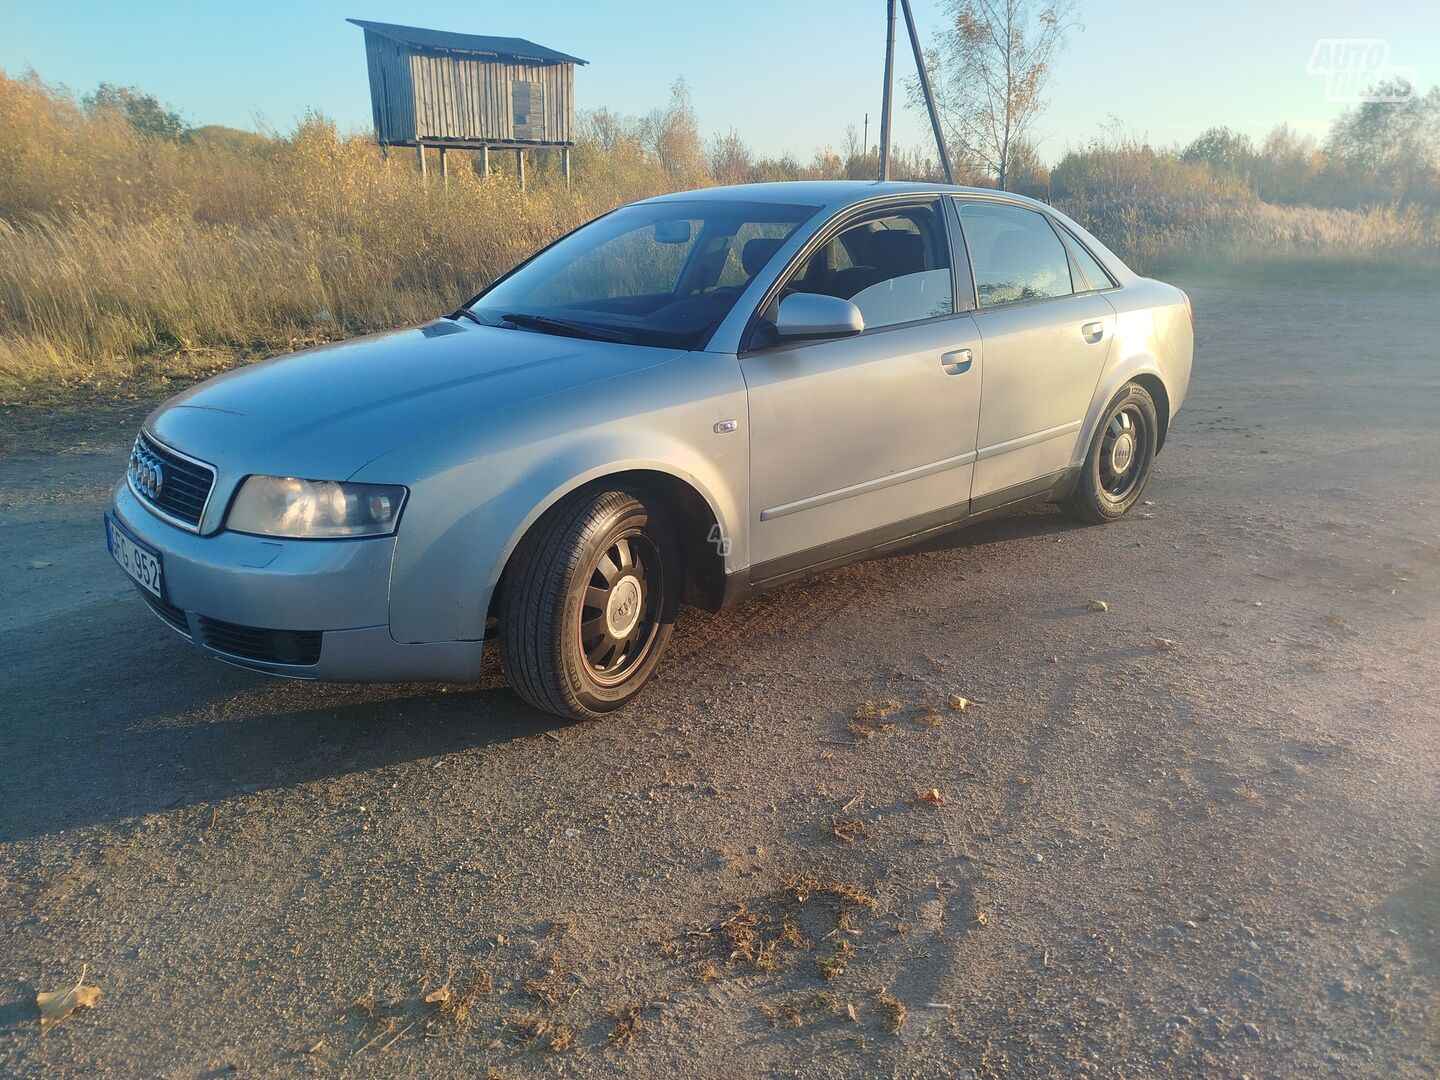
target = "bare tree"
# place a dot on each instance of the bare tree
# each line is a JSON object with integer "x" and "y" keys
{"x": 992, "y": 65}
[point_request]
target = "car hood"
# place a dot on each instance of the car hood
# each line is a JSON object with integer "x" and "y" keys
{"x": 325, "y": 412}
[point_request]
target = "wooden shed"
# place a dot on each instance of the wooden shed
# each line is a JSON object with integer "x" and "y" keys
{"x": 468, "y": 92}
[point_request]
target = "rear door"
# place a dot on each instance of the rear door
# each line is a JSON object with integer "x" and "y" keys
{"x": 856, "y": 440}
{"x": 1046, "y": 342}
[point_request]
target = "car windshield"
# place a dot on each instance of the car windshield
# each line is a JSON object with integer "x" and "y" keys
{"x": 663, "y": 273}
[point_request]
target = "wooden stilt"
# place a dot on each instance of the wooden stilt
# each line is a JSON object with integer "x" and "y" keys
{"x": 520, "y": 167}
{"x": 444, "y": 168}
{"x": 565, "y": 165}
{"x": 420, "y": 153}
{"x": 485, "y": 161}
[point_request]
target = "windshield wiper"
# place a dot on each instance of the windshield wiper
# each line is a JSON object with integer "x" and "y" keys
{"x": 545, "y": 324}
{"x": 470, "y": 315}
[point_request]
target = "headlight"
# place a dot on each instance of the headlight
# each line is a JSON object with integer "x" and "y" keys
{"x": 314, "y": 509}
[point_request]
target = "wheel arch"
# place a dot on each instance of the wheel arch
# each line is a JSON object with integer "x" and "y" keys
{"x": 704, "y": 540}
{"x": 1140, "y": 369}
{"x": 1155, "y": 387}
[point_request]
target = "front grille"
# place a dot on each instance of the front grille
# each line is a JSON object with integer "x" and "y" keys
{"x": 301, "y": 647}
{"x": 168, "y": 612}
{"x": 175, "y": 486}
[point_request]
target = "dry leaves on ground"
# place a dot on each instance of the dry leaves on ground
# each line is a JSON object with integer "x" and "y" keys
{"x": 56, "y": 1005}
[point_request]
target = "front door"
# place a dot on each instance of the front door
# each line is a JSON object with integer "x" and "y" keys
{"x": 1045, "y": 348}
{"x": 858, "y": 440}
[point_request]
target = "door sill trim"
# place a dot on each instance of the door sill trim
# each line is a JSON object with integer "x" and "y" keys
{"x": 867, "y": 486}
{"x": 996, "y": 449}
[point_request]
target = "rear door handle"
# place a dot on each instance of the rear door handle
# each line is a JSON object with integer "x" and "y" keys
{"x": 1093, "y": 331}
{"x": 957, "y": 362}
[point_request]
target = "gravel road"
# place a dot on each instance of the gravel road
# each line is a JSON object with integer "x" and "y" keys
{"x": 1193, "y": 835}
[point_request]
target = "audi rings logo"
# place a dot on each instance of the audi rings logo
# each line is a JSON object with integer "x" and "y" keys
{"x": 147, "y": 472}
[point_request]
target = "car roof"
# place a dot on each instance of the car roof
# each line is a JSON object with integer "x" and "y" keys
{"x": 826, "y": 193}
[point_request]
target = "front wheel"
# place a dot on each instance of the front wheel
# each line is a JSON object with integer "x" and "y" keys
{"x": 587, "y": 607}
{"x": 1119, "y": 461}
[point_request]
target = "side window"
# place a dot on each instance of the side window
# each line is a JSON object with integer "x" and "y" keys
{"x": 1014, "y": 252}
{"x": 1096, "y": 276}
{"x": 893, "y": 265}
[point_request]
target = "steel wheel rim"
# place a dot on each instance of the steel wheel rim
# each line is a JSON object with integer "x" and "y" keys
{"x": 1124, "y": 450}
{"x": 619, "y": 617}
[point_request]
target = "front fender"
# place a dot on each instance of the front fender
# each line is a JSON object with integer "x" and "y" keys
{"x": 474, "y": 504}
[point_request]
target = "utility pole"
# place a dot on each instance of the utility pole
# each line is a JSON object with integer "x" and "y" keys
{"x": 889, "y": 85}
{"x": 865, "y": 139}
{"x": 924, "y": 87}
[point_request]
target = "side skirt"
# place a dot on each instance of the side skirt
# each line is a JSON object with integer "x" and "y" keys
{"x": 768, "y": 575}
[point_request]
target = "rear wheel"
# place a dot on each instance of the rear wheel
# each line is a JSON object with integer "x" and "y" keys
{"x": 588, "y": 605}
{"x": 1119, "y": 461}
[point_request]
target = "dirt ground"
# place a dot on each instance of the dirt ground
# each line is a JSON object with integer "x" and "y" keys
{"x": 1194, "y": 835}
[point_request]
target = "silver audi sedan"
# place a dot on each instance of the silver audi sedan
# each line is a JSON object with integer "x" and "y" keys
{"x": 686, "y": 400}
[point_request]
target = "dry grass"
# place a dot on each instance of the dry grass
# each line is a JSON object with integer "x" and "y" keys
{"x": 891, "y": 1010}
{"x": 538, "y": 1029}
{"x": 805, "y": 913}
{"x": 799, "y": 1010}
{"x": 456, "y": 1005}
{"x": 121, "y": 254}
{"x": 1154, "y": 233}
{"x": 626, "y": 1027}
{"x": 870, "y": 718}
{"x": 848, "y": 830}
{"x": 124, "y": 256}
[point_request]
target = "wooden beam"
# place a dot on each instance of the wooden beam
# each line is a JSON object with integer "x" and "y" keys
{"x": 520, "y": 167}
{"x": 444, "y": 168}
{"x": 565, "y": 164}
{"x": 420, "y": 153}
{"x": 485, "y": 161}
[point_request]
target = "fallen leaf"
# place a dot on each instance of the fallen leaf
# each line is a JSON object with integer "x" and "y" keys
{"x": 932, "y": 796}
{"x": 850, "y": 1012}
{"x": 438, "y": 997}
{"x": 958, "y": 703}
{"x": 57, "y": 1005}
{"x": 1099, "y": 605}
{"x": 1165, "y": 644}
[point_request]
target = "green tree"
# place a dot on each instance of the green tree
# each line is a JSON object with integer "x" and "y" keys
{"x": 1228, "y": 153}
{"x": 143, "y": 111}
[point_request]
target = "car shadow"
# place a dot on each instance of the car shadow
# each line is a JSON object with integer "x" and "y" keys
{"x": 95, "y": 744}
{"x": 82, "y": 752}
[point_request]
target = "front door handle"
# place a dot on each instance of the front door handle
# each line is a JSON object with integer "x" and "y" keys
{"x": 1093, "y": 331}
{"x": 957, "y": 362}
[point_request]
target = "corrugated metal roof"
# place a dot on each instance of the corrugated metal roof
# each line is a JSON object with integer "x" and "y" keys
{"x": 484, "y": 44}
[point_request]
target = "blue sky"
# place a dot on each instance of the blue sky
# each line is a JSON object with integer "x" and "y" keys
{"x": 788, "y": 74}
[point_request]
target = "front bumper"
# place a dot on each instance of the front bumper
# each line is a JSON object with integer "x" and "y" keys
{"x": 252, "y": 600}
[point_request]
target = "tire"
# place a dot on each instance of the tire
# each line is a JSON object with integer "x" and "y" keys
{"x": 589, "y": 602}
{"x": 1127, "y": 434}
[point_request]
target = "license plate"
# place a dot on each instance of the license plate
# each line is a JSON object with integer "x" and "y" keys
{"x": 134, "y": 558}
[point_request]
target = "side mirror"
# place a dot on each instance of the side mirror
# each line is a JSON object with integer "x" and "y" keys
{"x": 812, "y": 315}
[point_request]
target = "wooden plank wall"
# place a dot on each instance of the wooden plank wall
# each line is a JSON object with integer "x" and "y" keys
{"x": 456, "y": 98}
{"x": 392, "y": 97}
